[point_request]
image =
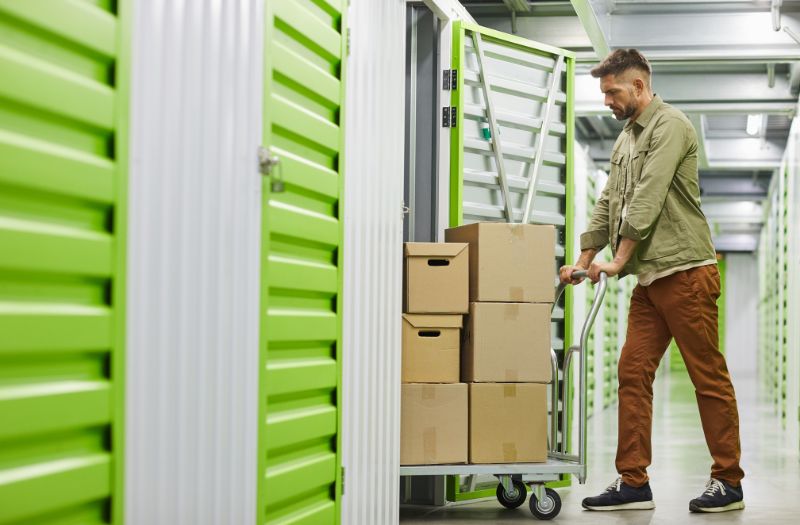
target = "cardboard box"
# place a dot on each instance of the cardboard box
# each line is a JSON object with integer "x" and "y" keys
{"x": 433, "y": 424}
{"x": 507, "y": 423}
{"x": 431, "y": 348}
{"x": 507, "y": 342}
{"x": 512, "y": 263}
{"x": 436, "y": 278}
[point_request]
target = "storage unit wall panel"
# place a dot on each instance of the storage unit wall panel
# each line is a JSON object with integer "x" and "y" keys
{"x": 299, "y": 452}
{"x": 373, "y": 196}
{"x": 63, "y": 181}
{"x": 192, "y": 359}
{"x": 779, "y": 285}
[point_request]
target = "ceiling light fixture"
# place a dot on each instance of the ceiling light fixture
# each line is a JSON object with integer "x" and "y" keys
{"x": 754, "y": 124}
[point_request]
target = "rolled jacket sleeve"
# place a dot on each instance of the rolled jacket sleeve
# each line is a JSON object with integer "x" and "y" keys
{"x": 596, "y": 235}
{"x": 667, "y": 148}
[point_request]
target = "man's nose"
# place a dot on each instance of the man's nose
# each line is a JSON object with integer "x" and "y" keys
{"x": 607, "y": 101}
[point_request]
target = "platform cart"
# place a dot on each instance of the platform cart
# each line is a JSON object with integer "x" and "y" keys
{"x": 545, "y": 503}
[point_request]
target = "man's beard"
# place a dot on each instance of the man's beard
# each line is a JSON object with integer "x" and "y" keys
{"x": 627, "y": 112}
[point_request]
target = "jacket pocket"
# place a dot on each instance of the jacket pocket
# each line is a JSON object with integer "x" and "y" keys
{"x": 637, "y": 163}
{"x": 618, "y": 165}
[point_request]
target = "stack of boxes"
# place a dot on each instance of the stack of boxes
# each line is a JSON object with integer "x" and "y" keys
{"x": 504, "y": 354}
{"x": 433, "y": 401}
{"x": 506, "y": 351}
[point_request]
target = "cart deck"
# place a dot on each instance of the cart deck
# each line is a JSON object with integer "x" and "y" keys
{"x": 545, "y": 503}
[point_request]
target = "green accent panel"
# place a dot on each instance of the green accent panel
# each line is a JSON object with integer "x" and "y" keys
{"x": 57, "y": 484}
{"x": 61, "y": 170}
{"x": 299, "y": 470}
{"x": 78, "y": 23}
{"x": 56, "y": 328}
{"x": 457, "y": 139}
{"x": 63, "y": 184}
{"x": 54, "y": 248}
{"x": 36, "y": 409}
{"x": 49, "y": 88}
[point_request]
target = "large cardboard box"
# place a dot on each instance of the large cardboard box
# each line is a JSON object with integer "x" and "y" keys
{"x": 507, "y": 342}
{"x": 436, "y": 278}
{"x": 507, "y": 423}
{"x": 431, "y": 348}
{"x": 512, "y": 263}
{"x": 433, "y": 424}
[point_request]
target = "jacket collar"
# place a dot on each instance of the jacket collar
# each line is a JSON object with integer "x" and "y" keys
{"x": 647, "y": 114}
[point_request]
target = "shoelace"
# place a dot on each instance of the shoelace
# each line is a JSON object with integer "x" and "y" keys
{"x": 713, "y": 486}
{"x": 616, "y": 485}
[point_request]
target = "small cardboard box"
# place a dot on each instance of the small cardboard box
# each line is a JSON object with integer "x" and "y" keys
{"x": 512, "y": 263}
{"x": 507, "y": 423}
{"x": 507, "y": 342}
{"x": 431, "y": 348}
{"x": 436, "y": 278}
{"x": 433, "y": 424}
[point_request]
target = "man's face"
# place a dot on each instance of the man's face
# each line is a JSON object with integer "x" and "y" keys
{"x": 619, "y": 95}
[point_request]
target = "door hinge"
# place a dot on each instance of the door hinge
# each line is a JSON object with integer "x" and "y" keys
{"x": 347, "y": 43}
{"x": 342, "y": 481}
{"x": 450, "y": 79}
{"x": 449, "y": 117}
{"x": 270, "y": 166}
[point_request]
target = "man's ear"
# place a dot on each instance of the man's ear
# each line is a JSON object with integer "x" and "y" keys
{"x": 638, "y": 83}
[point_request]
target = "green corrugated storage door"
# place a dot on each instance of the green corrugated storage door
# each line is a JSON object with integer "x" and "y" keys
{"x": 61, "y": 261}
{"x": 301, "y": 267}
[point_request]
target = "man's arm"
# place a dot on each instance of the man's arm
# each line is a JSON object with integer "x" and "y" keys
{"x": 596, "y": 236}
{"x": 627, "y": 247}
{"x": 592, "y": 241}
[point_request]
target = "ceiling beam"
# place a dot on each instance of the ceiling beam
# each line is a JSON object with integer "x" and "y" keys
{"x": 705, "y": 35}
{"x": 449, "y": 10}
{"x": 592, "y": 14}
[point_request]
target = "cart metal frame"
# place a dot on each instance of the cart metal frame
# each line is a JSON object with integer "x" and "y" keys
{"x": 544, "y": 503}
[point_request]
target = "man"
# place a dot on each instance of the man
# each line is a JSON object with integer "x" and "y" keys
{"x": 649, "y": 212}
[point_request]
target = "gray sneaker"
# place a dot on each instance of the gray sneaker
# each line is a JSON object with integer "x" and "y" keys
{"x": 719, "y": 496}
{"x": 621, "y": 496}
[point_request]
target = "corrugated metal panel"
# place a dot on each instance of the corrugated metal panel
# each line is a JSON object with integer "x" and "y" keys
{"x": 192, "y": 381}
{"x": 299, "y": 445}
{"x": 62, "y": 240}
{"x": 373, "y": 263}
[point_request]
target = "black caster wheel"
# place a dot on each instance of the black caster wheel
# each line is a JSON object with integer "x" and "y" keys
{"x": 512, "y": 501}
{"x": 548, "y": 508}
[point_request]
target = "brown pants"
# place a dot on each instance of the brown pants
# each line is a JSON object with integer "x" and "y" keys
{"x": 683, "y": 306}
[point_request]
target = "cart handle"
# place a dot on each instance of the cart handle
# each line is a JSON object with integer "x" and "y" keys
{"x": 599, "y": 294}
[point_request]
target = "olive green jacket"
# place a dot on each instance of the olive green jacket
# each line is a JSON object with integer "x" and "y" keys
{"x": 660, "y": 185}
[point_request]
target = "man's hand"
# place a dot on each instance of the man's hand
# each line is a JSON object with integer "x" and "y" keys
{"x": 611, "y": 269}
{"x": 565, "y": 274}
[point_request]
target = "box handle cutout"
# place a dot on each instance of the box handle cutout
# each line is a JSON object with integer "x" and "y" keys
{"x": 438, "y": 262}
{"x": 430, "y": 333}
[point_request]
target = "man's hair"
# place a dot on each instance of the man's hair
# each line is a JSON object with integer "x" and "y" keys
{"x": 621, "y": 60}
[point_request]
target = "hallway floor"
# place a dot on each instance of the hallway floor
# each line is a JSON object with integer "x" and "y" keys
{"x": 680, "y": 469}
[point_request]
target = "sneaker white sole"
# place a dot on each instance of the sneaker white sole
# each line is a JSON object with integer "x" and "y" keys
{"x": 638, "y": 505}
{"x": 738, "y": 505}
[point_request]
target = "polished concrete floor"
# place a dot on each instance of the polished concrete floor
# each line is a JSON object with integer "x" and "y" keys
{"x": 681, "y": 464}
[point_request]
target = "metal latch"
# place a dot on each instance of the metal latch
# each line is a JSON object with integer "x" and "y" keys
{"x": 270, "y": 166}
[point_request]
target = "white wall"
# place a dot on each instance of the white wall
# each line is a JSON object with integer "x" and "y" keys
{"x": 373, "y": 261}
{"x": 741, "y": 314}
{"x": 193, "y": 263}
